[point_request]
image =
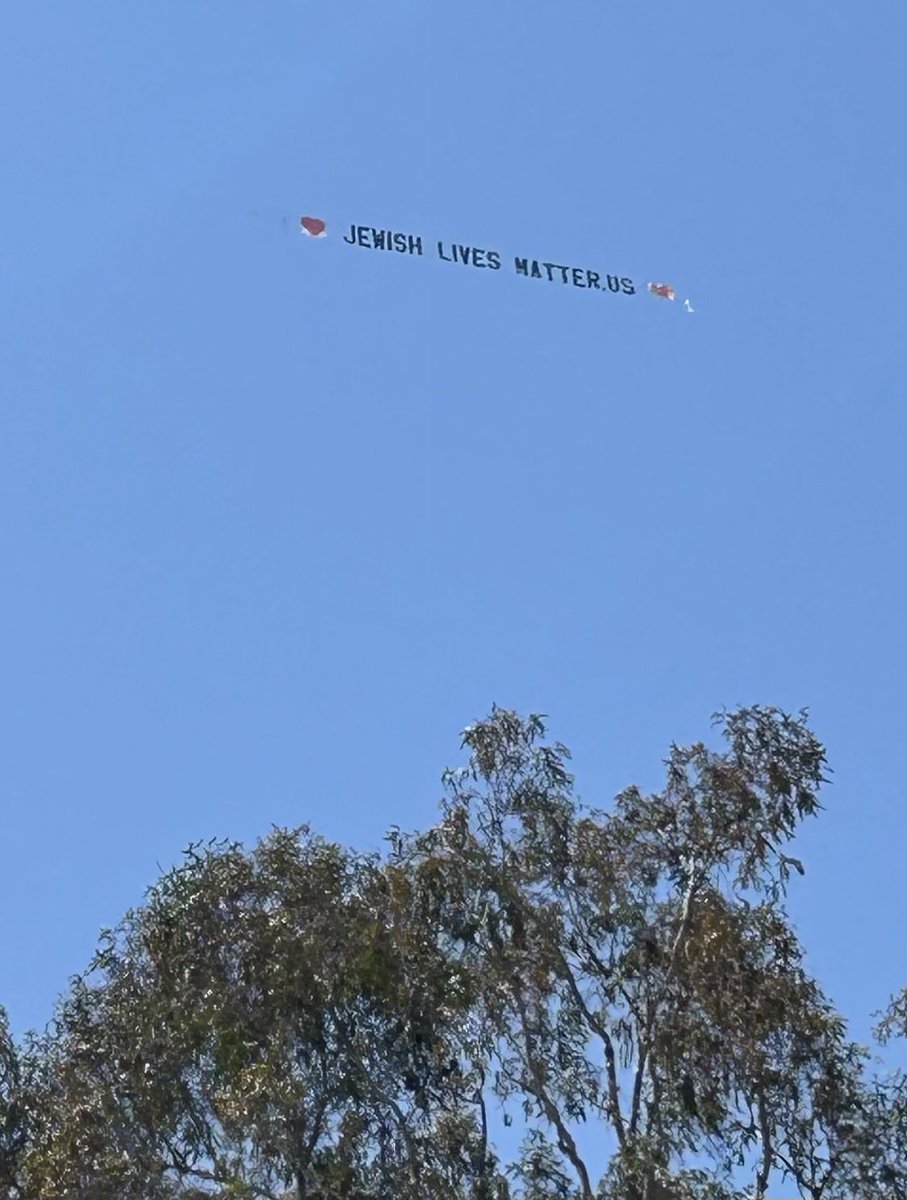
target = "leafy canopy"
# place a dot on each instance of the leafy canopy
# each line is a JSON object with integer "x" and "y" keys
{"x": 626, "y": 984}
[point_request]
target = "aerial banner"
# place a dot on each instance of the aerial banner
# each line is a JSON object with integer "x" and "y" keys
{"x": 367, "y": 237}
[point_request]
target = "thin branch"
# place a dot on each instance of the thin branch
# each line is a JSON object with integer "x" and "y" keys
{"x": 679, "y": 939}
{"x": 535, "y": 1086}
{"x": 765, "y": 1136}
{"x": 598, "y": 1026}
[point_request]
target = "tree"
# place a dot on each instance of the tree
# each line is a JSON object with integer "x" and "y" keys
{"x": 265, "y": 1019}
{"x": 636, "y": 971}
{"x": 13, "y": 1132}
{"x": 303, "y": 1017}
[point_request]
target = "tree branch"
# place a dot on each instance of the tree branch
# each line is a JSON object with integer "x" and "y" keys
{"x": 598, "y": 1026}
{"x": 535, "y": 1086}
{"x": 765, "y": 1164}
{"x": 686, "y": 917}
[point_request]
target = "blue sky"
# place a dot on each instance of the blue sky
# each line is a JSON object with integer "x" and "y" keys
{"x": 279, "y": 517}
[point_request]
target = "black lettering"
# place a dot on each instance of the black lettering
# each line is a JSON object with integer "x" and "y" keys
{"x": 549, "y": 267}
{"x": 379, "y": 239}
{"x": 478, "y": 258}
{"x": 578, "y": 278}
{"x": 362, "y": 232}
{"x": 441, "y": 253}
{"x": 494, "y": 260}
{"x": 464, "y": 254}
{"x": 536, "y": 273}
{"x": 593, "y": 278}
{"x": 522, "y": 266}
{"x": 627, "y": 286}
{"x": 613, "y": 283}
{"x": 415, "y": 245}
{"x": 397, "y": 242}
{"x": 352, "y": 237}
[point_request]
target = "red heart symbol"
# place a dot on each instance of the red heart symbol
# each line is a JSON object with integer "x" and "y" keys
{"x": 313, "y": 226}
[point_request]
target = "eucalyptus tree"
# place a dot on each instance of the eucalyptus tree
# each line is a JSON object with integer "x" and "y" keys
{"x": 635, "y": 971}
{"x": 265, "y": 1019}
{"x": 627, "y": 982}
{"x": 13, "y": 1129}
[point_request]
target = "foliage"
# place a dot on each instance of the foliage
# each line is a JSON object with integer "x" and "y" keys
{"x": 13, "y": 1131}
{"x": 263, "y": 1020}
{"x": 299, "y": 1016}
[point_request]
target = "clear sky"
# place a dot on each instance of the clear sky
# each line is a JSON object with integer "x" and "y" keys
{"x": 278, "y": 517}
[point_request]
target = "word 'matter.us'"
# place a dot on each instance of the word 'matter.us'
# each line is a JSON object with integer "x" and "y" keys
{"x": 578, "y": 276}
